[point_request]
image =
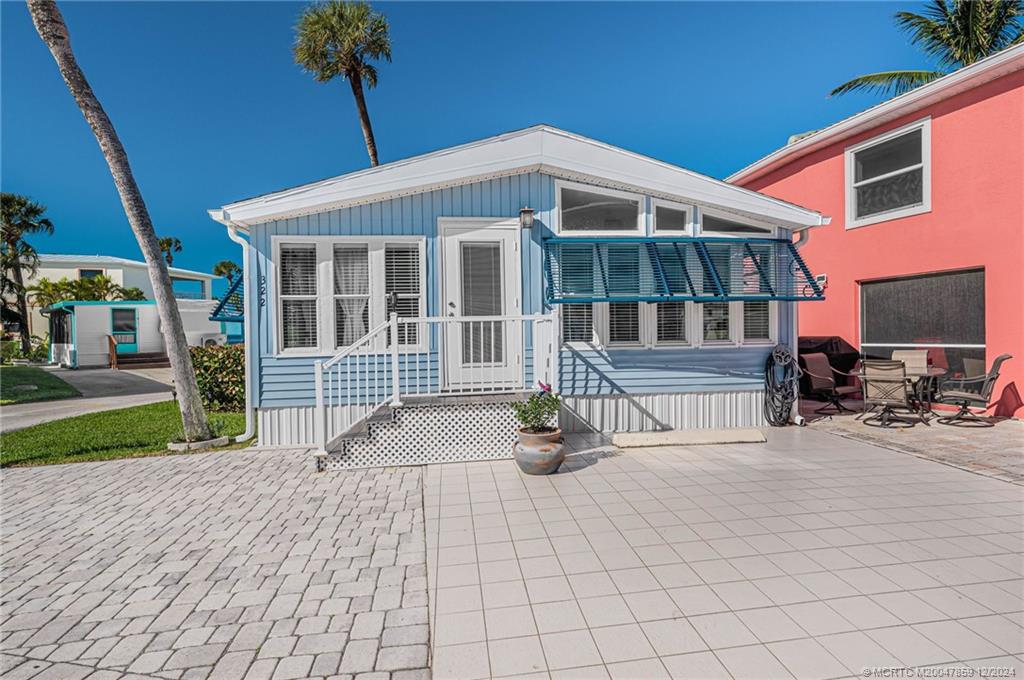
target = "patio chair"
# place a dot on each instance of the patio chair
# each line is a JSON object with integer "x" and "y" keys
{"x": 972, "y": 391}
{"x": 915, "y": 360}
{"x": 823, "y": 383}
{"x": 886, "y": 387}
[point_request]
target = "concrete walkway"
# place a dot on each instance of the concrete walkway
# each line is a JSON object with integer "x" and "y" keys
{"x": 102, "y": 389}
{"x": 809, "y": 556}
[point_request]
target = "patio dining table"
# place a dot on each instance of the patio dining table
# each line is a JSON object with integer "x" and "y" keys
{"x": 922, "y": 382}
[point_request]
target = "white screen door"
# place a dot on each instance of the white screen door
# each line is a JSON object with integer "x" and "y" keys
{"x": 481, "y": 279}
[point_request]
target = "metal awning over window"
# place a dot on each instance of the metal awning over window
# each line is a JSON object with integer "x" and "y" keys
{"x": 659, "y": 269}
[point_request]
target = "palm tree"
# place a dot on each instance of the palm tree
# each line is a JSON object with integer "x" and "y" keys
{"x": 168, "y": 246}
{"x": 50, "y": 25}
{"x": 339, "y": 38}
{"x": 228, "y": 269}
{"x": 20, "y": 216}
{"x": 956, "y": 33}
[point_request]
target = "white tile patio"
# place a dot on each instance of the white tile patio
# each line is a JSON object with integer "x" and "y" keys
{"x": 810, "y": 556}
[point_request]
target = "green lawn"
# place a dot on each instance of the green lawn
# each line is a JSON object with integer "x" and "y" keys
{"x": 14, "y": 379}
{"x": 123, "y": 433}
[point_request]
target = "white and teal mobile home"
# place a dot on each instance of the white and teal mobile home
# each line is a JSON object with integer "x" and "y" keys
{"x": 394, "y": 311}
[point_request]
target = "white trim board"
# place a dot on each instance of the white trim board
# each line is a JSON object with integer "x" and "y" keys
{"x": 542, "y": 148}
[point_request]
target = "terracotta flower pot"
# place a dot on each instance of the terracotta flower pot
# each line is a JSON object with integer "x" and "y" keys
{"x": 539, "y": 453}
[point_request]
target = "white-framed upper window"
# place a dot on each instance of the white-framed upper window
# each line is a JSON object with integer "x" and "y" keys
{"x": 590, "y": 211}
{"x": 889, "y": 176}
{"x": 717, "y": 223}
{"x": 671, "y": 217}
{"x": 332, "y": 291}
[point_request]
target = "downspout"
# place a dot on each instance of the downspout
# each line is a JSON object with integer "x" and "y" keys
{"x": 795, "y": 416}
{"x": 250, "y": 421}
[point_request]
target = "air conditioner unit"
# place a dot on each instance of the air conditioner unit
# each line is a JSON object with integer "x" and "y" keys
{"x": 213, "y": 340}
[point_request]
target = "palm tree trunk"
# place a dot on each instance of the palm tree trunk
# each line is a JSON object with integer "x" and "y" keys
{"x": 364, "y": 117}
{"x": 19, "y": 281}
{"x": 50, "y": 24}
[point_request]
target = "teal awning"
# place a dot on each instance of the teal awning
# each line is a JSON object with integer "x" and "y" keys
{"x": 231, "y": 305}
{"x": 661, "y": 269}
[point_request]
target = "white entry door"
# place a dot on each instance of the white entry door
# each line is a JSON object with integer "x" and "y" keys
{"x": 481, "y": 279}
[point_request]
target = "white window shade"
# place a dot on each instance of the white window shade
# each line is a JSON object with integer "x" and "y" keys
{"x": 298, "y": 270}
{"x": 298, "y": 296}
{"x": 402, "y": 293}
{"x": 351, "y": 293}
{"x": 757, "y": 320}
{"x": 578, "y": 322}
{"x": 298, "y": 323}
{"x": 672, "y": 322}
{"x": 623, "y": 323}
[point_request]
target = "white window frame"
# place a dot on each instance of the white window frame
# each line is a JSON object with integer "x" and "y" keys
{"x": 852, "y": 222}
{"x": 673, "y": 205}
{"x": 771, "y": 230}
{"x": 641, "y": 212}
{"x": 325, "y": 289}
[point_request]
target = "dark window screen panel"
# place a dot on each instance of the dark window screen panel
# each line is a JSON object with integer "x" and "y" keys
{"x": 60, "y": 328}
{"x": 669, "y": 219}
{"x": 890, "y": 156}
{"x": 946, "y": 308}
{"x": 892, "y": 193}
{"x": 89, "y": 273}
{"x": 124, "y": 320}
{"x": 721, "y": 224}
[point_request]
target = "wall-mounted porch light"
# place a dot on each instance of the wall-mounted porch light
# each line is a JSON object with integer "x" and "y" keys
{"x": 526, "y": 218}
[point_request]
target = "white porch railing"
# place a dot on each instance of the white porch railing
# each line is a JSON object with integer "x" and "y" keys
{"x": 433, "y": 356}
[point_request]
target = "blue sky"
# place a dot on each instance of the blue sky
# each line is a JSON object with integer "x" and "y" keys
{"x": 211, "y": 108}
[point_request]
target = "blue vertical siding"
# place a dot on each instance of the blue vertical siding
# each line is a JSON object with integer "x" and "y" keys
{"x": 288, "y": 381}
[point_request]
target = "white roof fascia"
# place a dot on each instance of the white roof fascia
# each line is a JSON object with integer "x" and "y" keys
{"x": 967, "y": 78}
{"x": 56, "y": 260}
{"x": 536, "y": 148}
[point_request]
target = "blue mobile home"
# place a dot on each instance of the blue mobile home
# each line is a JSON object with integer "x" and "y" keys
{"x": 649, "y": 296}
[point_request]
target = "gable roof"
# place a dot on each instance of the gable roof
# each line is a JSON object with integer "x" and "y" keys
{"x": 980, "y": 72}
{"x": 111, "y": 260}
{"x": 540, "y": 148}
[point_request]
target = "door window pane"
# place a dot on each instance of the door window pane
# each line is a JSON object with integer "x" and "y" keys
{"x": 482, "y": 295}
{"x": 123, "y": 320}
{"x": 591, "y": 211}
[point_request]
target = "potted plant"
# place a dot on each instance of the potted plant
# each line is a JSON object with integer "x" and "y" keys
{"x": 540, "y": 450}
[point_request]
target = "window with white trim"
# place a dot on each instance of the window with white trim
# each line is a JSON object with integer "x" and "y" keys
{"x": 298, "y": 294}
{"x": 578, "y": 322}
{"x": 332, "y": 292}
{"x": 671, "y": 218}
{"x": 590, "y": 210}
{"x": 889, "y": 176}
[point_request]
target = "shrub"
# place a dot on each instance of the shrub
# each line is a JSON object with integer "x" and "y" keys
{"x": 537, "y": 412}
{"x": 220, "y": 373}
{"x": 40, "y": 352}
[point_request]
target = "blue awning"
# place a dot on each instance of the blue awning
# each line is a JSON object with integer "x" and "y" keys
{"x": 661, "y": 269}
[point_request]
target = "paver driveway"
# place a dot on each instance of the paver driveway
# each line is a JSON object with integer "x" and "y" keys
{"x": 810, "y": 556}
{"x": 241, "y": 564}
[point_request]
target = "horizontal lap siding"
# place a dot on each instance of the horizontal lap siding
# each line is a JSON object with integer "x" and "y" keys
{"x": 288, "y": 381}
{"x": 638, "y": 371}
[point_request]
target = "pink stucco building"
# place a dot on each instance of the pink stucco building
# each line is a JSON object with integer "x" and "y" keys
{"x": 926, "y": 244}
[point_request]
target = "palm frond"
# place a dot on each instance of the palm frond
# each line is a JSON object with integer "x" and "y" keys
{"x": 887, "y": 82}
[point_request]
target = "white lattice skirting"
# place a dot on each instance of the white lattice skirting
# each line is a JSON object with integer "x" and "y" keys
{"x": 438, "y": 433}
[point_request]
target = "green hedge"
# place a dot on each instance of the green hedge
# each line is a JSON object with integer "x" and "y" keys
{"x": 220, "y": 372}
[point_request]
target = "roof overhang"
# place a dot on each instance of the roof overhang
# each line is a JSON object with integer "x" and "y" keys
{"x": 981, "y": 72}
{"x": 540, "y": 148}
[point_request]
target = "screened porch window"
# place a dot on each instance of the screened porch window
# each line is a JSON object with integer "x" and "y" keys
{"x": 943, "y": 313}
{"x": 889, "y": 177}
